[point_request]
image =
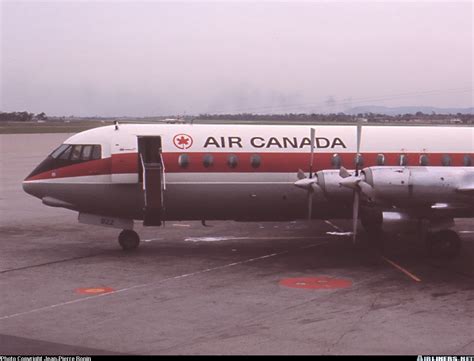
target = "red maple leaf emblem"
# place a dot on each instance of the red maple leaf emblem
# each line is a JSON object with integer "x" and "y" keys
{"x": 182, "y": 141}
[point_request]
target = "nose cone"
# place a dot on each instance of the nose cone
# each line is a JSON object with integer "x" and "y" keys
{"x": 33, "y": 188}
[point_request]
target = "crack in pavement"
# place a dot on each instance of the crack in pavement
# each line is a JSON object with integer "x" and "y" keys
{"x": 351, "y": 328}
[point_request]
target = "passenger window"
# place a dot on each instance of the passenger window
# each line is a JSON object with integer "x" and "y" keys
{"x": 336, "y": 161}
{"x": 183, "y": 160}
{"x": 359, "y": 160}
{"x": 86, "y": 152}
{"x": 403, "y": 160}
{"x": 424, "y": 161}
{"x": 467, "y": 161}
{"x": 446, "y": 160}
{"x": 232, "y": 161}
{"x": 76, "y": 152}
{"x": 380, "y": 159}
{"x": 255, "y": 161}
{"x": 207, "y": 160}
{"x": 58, "y": 150}
{"x": 65, "y": 155}
{"x": 96, "y": 152}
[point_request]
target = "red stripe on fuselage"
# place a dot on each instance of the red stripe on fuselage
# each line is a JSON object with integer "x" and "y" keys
{"x": 270, "y": 163}
{"x": 92, "y": 167}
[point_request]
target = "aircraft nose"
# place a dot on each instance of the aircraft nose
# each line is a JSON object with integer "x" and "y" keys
{"x": 32, "y": 188}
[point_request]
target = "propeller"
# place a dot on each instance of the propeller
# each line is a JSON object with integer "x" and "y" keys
{"x": 313, "y": 135}
{"x": 359, "y": 137}
{"x": 305, "y": 182}
{"x": 354, "y": 182}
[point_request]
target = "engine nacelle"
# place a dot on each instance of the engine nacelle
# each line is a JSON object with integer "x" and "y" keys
{"x": 328, "y": 181}
{"x": 408, "y": 185}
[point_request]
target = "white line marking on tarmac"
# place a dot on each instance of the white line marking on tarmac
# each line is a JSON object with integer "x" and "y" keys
{"x": 339, "y": 229}
{"x": 228, "y": 238}
{"x": 466, "y": 231}
{"x": 212, "y": 239}
{"x": 45, "y": 308}
{"x": 339, "y": 233}
{"x": 153, "y": 239}
{"x": 180, "y": 225}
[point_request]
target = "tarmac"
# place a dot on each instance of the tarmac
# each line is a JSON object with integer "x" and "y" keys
{"x": 230, "y": 288}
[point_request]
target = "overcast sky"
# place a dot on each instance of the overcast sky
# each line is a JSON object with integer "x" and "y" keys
{"x": 155, "y": 58}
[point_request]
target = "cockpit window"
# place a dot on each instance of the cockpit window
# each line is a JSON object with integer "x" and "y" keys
{"x": 58, "y": 151}
{"x": 76, "y": 152}
{"x": 96, "y": 152}
{"x": 66, "y": 153}
{"x": 86, "y": 152}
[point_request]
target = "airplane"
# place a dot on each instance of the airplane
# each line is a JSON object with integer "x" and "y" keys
{"x": 118, "y": 174}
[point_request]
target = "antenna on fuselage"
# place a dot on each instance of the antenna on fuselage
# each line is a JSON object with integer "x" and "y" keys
{"x": 116, "y": 123}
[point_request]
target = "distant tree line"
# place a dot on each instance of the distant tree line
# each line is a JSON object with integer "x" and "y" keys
{"x": 289, "y": 117}
{"x": 21, "y": 117}
{"x": 342, "y": 117}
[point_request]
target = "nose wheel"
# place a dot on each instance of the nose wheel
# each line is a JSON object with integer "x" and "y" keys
{"x": 128, "y": 240}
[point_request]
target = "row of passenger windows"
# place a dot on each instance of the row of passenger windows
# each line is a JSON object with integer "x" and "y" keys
{"x": 208, "y": 160}
{"x": 423, "y": 160}
{"x": 336, "y": 160}
{"x": 77, "y": 152}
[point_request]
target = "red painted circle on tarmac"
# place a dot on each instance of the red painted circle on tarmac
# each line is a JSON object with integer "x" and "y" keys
{"x": 322, "y": 282}
{"x": 94, "y": 290}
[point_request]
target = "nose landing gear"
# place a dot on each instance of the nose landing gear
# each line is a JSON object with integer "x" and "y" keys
{"x": 128, "y": 240}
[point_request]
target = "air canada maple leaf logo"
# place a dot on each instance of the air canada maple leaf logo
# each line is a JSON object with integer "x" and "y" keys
{"x": 182, "y": 141}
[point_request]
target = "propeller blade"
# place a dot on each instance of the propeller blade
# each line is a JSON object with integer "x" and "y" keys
{"x": 359, "y": 137}
{"x": 300, "y": 174}
{"x": 313, "y": 135}
{"x": 344, "y": 173}
{"x": 355, "y": 215}
{"x": 366, "y": 189}
{"x": 310, "y": 182}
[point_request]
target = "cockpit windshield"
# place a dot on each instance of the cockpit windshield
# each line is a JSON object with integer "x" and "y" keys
{"x": 77, "y": 152}
{"x": 68, "y": 154}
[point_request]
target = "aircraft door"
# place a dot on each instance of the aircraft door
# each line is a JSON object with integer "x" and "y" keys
{"x": 151, "y": 174}
{"x": 123, "y": 155}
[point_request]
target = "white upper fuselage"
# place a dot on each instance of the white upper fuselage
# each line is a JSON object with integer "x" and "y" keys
{"x": 290, "y": 138}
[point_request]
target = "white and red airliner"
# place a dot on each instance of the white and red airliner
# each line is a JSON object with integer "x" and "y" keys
{"x": 114, "y": 175}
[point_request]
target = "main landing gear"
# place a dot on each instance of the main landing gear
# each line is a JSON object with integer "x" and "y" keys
{"x": 439, "y": 239}
{"x": 443, "y": 244}
{"x": 128, "y": 240}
